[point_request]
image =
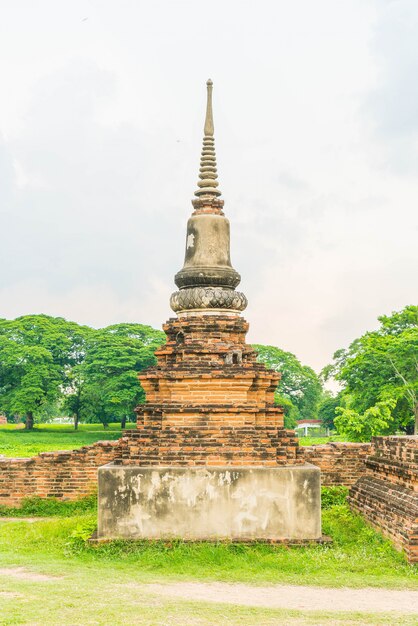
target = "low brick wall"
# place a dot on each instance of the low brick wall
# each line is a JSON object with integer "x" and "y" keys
{"x": 384, "y": 486}
{"x": 72, "y": 474}
{"x": 387, "y": 494}
{"x": 340, "y": 463}
{"x": 69, "y": 474}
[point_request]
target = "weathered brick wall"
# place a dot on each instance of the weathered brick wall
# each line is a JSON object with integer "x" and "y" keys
{"x": 210, "y": 445}
{"x": 340, "y": 463}
{"x": 387, "y": 494}
{"x": 384, "y": 485}
{"x": 70, "y": 475}
{"x": 208, "y": 400}
{"x": 66, "y": 475}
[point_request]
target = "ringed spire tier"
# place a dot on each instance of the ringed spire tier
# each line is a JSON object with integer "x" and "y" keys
{"x": 207, "y": 280}
{"x": 208, "y": 173}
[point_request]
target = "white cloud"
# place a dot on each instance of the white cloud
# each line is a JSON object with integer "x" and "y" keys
{"x": 101, "y": 138}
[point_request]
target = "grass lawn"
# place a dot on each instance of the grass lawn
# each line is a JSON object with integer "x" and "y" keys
{"x": 106, "y": 584}
{"x": 15, "y": 441}
{"x": 314, "y": 441}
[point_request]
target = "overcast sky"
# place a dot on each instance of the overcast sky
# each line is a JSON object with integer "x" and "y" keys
{"x": 316, "y": 127}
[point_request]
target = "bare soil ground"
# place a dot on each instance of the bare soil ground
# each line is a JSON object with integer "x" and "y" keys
{"x": 294, "y": 597}
{"x": 25, "y": 574}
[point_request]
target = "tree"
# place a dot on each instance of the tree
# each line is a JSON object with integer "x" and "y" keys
{"x": 379, "y": 372}
{"x": 299, "y": 384}
{"x": 373, "y": 421}
{"x": 289, "y": 410}
{"x": 326, "y": 409}
{"x": 107, "y": 385}
{"x": 29, "y": 379}
{"x": 36, "y": 352}
{"x": 46, "y": 362}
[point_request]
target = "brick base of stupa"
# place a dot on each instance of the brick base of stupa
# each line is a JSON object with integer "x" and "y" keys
{"x": 210, "y": 409}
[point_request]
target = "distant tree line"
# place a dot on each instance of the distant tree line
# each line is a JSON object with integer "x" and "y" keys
{"x": 300, "y": 391}
{"x": 51, "y": 367}
{"x": 377, "y": 374}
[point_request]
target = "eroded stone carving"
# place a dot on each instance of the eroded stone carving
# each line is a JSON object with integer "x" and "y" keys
{"x": 208, "y": 298}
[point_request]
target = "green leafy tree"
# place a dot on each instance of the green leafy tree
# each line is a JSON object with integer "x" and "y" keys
{"x": 29, "y": 379}
{"x": 36, "y": 353}
{"x": 107, "y": 386}
{"x": 327, "y": 408}
{"x": 361, "y": 427}
{"x": 46, "y": 362}
{"x": 289, "y": 409}
{"x": 299, "y": 384}
{"x": 379, "y": 372}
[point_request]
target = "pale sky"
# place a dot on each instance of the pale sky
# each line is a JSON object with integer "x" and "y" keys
{"x": 316, "y": 127}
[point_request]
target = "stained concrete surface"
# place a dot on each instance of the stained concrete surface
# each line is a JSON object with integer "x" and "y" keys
{"x": 239, "y": 503}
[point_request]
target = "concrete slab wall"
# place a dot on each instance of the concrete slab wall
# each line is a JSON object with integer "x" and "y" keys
{"x": 281, "y": 503}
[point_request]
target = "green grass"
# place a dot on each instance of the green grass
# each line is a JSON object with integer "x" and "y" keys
{"x": 17, "y": 442}
{"x": 80, "y": 597}
{"x": 106, "y": 583}
{"x": 50, "y": 507}
{"x": 358, "y": 556}
{"x": 315, "y": 441}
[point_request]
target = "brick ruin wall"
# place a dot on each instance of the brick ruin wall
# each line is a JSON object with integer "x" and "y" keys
{"x": 340, "y": 463}
{"x": 66, "y": 475}
{"x": 387, "y": 494}
{"x": 383, "y": 477}
{"x": 72, "y": 474}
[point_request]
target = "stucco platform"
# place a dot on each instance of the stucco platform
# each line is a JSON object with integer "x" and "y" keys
{"x": 210, "y": 503}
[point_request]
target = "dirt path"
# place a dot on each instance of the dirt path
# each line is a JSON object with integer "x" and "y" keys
{"x": 25, "y": 574}
{"x": 294, "y": 597}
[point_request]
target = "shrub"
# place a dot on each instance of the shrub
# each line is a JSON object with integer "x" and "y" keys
{"x": 49, "y": 507}
{"x": 332, "y": 496}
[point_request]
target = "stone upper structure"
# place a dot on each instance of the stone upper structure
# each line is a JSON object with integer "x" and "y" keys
{"x": 207, "y": 279}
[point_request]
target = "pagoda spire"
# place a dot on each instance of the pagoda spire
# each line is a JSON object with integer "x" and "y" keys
{"x": 208, "y": 174}
{"x": 207, "y": 279}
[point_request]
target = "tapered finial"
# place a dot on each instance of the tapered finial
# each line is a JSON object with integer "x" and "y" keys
{"x": 209, "y": 113}
{"x": 208, "y": 174}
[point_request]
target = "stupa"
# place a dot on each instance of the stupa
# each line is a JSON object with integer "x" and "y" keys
{"x": 210, "y": 458}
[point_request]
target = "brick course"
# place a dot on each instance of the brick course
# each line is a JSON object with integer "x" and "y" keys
{"x": 209, "y": 401}
{"x": 340, "y": 463}
{"x": 66, "y": 475}
{"x": 387, "y": 494}
{"x": 72, "y": 474}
